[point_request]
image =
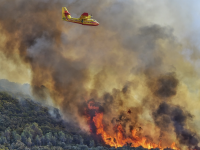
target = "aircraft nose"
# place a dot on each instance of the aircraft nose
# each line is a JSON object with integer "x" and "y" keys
{"x": 97, "y": 23}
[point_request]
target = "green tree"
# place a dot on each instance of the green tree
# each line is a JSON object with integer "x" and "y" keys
{"x": 7, "y": 134}
{"x": 28, "y": 132}
{"x": 23, "y": 138}
{"x": 18, "y": 145}
{"x": 16, "y": 137}
{"x": 69, "y": 138}
{"x": 35, "y": 130}
{"x": 29, "y": 142}
{"x": 48, "y": 137}
{"x": 3, "y": 140}
{"x": 91, "y": 143}
{"x": 38, "y": 141}
{"x": 81, "y": 140}
{"x": 62, "y": 137}
{"x": 53, "y": 141}
{"x": 43, "y": 140}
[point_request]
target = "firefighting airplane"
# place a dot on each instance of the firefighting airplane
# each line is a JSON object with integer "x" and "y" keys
{"x": 85, "y": 19}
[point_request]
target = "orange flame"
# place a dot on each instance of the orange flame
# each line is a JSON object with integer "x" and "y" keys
{"x": 119, "y": 140}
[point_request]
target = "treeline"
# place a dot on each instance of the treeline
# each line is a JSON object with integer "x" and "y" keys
{"x": 27, "y": 125}
{"x": 32, "y": 137}
{"x": 16, "y": 114}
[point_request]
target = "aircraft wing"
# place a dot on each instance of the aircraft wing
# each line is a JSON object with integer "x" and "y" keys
{"x": 84, "y": 16}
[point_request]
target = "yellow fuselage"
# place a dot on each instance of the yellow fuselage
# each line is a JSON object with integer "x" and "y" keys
{"x": 84, "y": 20}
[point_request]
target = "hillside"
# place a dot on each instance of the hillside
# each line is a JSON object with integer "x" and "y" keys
{"x": 27, "y": 125}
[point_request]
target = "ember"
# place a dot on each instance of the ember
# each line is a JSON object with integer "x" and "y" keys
{"x": 129, "y": 111}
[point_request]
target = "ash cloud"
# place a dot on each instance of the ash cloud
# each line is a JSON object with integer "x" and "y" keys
{"x": 168, "y": 115}
{"x": 164, "y": 86}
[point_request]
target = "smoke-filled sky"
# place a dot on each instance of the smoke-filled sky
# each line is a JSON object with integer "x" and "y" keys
{"x": 143, "y": 56}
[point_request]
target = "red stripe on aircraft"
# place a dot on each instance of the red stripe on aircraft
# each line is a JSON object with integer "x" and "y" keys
{"x": 85, "y": 14}
{"x": 89, "y": 24}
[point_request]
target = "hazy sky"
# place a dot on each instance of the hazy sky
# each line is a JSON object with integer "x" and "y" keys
{"x": 181, "y": 15}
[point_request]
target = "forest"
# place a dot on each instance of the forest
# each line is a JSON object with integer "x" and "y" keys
{"x": 28, "y": 125}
